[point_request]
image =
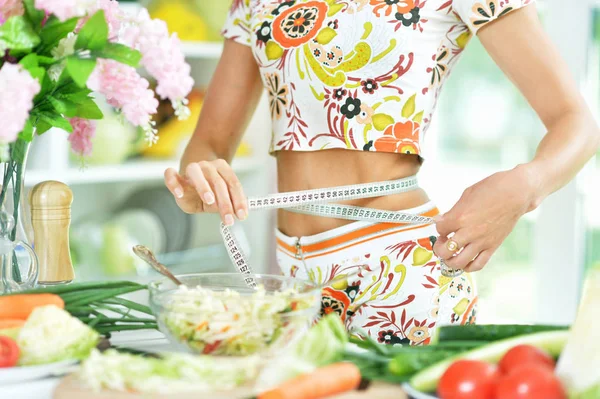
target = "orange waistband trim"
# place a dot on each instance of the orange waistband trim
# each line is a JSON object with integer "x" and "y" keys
{"x": 354, "y": 235}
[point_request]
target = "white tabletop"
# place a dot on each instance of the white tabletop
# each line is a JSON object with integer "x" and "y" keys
{"x": 44, "y": 389}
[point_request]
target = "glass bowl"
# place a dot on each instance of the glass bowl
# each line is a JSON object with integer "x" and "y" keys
{"x": 218, "y": 314}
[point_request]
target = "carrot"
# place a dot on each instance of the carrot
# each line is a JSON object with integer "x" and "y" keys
{"x": 20, "y": 306}
{"x": 11, "y": 323}
{"x": 325, "y": 381}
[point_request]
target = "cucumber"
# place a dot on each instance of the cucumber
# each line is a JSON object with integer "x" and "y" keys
{"x": 407, "y": 364}
{"x": 551, "y": 341}
{"x": 490, "y": 332}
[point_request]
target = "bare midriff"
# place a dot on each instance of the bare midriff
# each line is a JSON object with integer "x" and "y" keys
{"x": 329, "y": 168}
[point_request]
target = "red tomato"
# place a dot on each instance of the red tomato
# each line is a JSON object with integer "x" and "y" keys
{"x": 530, "y": 381}
{"x": 9, "y": 352}
{"x": 468, "y": 379}
{"x": 524, "y": 354}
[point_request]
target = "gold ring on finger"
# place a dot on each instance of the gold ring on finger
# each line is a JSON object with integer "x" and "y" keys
{"x": 452, "y": 246}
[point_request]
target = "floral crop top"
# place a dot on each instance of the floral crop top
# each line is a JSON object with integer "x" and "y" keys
{"x": 356, "y": 74}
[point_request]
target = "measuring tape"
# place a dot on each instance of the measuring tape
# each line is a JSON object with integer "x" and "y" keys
{"x": 317, "y": 203}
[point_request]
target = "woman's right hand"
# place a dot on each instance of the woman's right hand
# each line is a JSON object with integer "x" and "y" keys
{"x": 209, "y": 186}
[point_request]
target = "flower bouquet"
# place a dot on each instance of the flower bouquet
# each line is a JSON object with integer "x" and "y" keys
{"x": 58, "y": 56}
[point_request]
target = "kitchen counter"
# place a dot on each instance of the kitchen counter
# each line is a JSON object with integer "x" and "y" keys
{"x": 151, "y": 341}
{"x": 44, "y": 389}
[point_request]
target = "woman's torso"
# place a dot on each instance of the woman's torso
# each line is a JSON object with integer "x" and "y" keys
{"x": 352, "y": 86}
{"x": 369, "y": 89}
{"x": 309, "y": 170}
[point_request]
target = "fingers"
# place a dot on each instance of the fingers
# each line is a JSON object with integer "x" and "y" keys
{"x": 446, "y": 224}
{"x": 443, "y": 249}
{"x": 219, "y": 189}
{"x": 236, "y": 192}
{"x": 462, "y": 259}
{"x": 196, "y": 177}
{"x": 172, "y": 183}
{"x": 467, "y": 246}
{"x": 480, "y": 261}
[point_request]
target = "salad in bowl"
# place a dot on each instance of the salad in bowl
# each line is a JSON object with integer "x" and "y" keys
{"x": 219, "y": 314}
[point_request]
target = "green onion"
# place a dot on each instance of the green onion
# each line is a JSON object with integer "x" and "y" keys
{"x": 104, "y": 319}
{"x": 129, "y": 304}
{"x": 91, "y": 301}
{"x": 105, "y": 294}
{"x": 115, "y": 328}
{"x": 79, "y": 287}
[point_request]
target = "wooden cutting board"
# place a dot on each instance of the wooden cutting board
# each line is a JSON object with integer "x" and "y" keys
{"x": 69, "y": 389}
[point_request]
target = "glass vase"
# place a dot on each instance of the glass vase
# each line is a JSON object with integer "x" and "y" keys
{"x": 20, "y": 266}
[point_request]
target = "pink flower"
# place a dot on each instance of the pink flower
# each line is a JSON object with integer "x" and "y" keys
{"x": 161, "y": 56}
{"x": 10, "y": 8}
{"x": 17, "y": 90}
{"x": 81, "y": 137}
{"x": 65, "y": 9}
{"x": 124, "y": 89}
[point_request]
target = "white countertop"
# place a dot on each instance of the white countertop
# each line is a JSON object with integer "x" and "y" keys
{"x": 44, "y": 389}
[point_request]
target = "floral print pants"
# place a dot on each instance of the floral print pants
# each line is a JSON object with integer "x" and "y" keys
{"x": 400, "y": 297}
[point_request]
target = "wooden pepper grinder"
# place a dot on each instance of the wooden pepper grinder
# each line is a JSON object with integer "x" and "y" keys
{"x": 50, "y": 203}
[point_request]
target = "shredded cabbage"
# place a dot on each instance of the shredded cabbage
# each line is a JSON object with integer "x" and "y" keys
{"x": 51, "y": 334}
{"x": 321, "y": 345}
{"x": 229, "y": 323}
{"x": 172, "y": 373}
{"x": 11, "y": 332}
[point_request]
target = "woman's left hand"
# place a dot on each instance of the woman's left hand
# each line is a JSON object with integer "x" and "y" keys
{"x": 484, "y": 216}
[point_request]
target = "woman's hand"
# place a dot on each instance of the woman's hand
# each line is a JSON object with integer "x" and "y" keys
{"x": 206, "y": 182}
{"x": 484, "y": 216}
{"x": 209, "y": 186}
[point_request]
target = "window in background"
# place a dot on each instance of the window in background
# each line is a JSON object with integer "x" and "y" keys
{"x": 484, "y": 125}
{"x": 591, "y": 188}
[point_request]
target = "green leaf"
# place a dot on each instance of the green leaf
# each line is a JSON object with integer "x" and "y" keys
{"x": 94, "y": 34}
{"x": 75, "y": 96}
{"x": 27, "y": 133}
{"x": 34, "y": 15}
{"x": 85, "y": 108}
{"x": 334, "y": 7}
{"x": 17, "y": 34}
{"x": 30, "y": 63}
{"x": 326, "y": 35}
{"x": 80, "y": 69}
{"x": 273, "y": 51}
{"x": 45, "y": 60}
{"x": 42, "y": 127}
{"x": 381, "y": 121}
{"x": 65, "y": 80}
{"x": 418, "y": 117}
{"x": 66, "y": 88}
{"x": 59, "y": 105}
{"x": 55, "y": 120}
{"x": 18, "y": 150}
{"x": 120, "y": 53}
{"x": 56, "y": 30}
{"x": 409, "y": 107}
{"x": 47, "y": 86}
{"x": 38, "y": 73}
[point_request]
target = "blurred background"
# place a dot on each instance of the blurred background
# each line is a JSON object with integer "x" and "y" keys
{"x": 482, "y": 125}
